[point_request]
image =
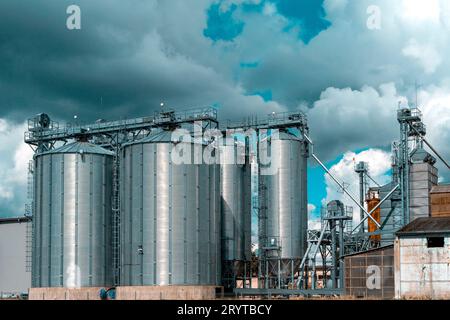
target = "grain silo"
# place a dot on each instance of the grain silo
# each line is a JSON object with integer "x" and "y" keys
{"x": 285, "y": 206}
{"x": 170, "y": 215}
{"x": 72, "y": 217}
{"x": 235, "y": 189}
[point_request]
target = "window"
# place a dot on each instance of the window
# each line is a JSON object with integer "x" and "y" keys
{"x": 435, "y": 242}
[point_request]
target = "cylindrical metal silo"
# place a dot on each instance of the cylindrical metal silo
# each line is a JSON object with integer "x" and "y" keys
{"x": 235, "y": 189}
{"x": 72, "y": 217}
{"x": 170, "y": 215}
{"x": 284, "y": 205}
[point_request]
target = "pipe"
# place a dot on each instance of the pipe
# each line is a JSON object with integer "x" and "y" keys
{"x": 337, "y": 182}
{"x": 343, "y": 188}
{"x": 378, "y": 185}
{"x": 430, "y": 146}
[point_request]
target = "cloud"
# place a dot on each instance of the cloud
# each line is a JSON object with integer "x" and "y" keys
{"x": 124, "y": 61}
{"x": 130, "y": 56}
{"x": 314, "y": 222}
{"x": 221, "y": 25}
{"x": 354, "y": 119}
{"x": 426, "y": 55}
{"x": 434, "y": 102}
{"x": 379, "y": 162}
{"x": 14, "y": 158}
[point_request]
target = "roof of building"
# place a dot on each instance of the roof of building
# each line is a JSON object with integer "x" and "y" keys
{"x": 424, "y": 226}
{"x": 442, "y": 188}
{"x": 14, "y": 220}
{"x": 165, "y": 136}
{"x": 368, "y": 251}
{"x": 420, "y": 155}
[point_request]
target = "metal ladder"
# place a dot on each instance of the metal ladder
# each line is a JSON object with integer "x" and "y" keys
{"x": 29, "y": 213}
{"x": 116, "y": 218}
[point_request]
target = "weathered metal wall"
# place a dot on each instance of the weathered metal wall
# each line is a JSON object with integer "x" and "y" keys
{"x": 423, "y": 176}
{"x": 440, "y": 201}
{"x": 421, "y": 272}
{"x": 390, "y": 213}
{"x": 372, "y": 202}
{"x": 14, "y": 277}
{"x": 170, "y": 216}
{"x": 72, "y": 217}
{"x": 362, "y": 269}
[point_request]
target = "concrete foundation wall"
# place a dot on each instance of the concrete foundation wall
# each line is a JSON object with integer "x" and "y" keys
{"x": 64, "y": 294}
{"x": 168, "y": 293}
{"x": 421, "y": 272}
{"x": 130, "y": 293}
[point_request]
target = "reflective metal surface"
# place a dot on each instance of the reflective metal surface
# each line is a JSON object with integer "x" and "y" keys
{"x": 170, "y": 220}
{"x": 285, "y": 197}
{"x": 72, "y": 217}
{"x": 235, "y": 203}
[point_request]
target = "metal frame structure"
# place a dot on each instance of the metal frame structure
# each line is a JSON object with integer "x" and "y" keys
{"x": 269, "y": 266}
{"x": 44, "y": 134}
{"x": 335, "y": 238}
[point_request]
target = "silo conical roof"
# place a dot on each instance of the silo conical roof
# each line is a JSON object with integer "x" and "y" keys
{"x": 80, "y": 147}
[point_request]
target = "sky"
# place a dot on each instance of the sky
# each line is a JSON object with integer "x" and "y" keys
{"x": 347, "y": 64}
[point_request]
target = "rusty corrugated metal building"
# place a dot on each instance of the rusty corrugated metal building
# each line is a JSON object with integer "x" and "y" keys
{"x": 422, "y": 259}
{"x": 440, "y": 201}
{"x": 370, "y": 274}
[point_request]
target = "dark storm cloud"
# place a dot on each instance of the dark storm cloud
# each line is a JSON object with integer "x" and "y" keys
{"x": 120, "y": 64}
{"x": 56, "y": 68}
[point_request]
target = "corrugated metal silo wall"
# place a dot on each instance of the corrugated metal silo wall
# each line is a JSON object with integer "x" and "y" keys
{"x": 170, "y": 219}
{"x": 422, "y": 177}
{"x": 235, "y": 205}
{"x": 72, "y": 221}
{"x": 286, "y": 197}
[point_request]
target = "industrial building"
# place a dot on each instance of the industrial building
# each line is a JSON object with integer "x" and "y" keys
{"x": 440, "y": 201}
{"x": 370, "y": 274}
{"x": 114, "y": 211}
{"x": 422, "y": 255}
{"x": 15, "y": 246}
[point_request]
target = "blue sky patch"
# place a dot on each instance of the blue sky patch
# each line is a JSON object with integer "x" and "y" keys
{"x": 308, "y": 15}
{"x": 221, "y": 25}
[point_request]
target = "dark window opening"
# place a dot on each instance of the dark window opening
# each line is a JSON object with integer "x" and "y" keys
{"x": 435, "y": 242}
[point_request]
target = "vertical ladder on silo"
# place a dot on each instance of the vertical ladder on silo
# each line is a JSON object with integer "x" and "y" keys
{"x": 28, "y": 244}
{"x": 29, "y": 213}
{"x": 116, "y": 218}
{"x": 262, "y": 216}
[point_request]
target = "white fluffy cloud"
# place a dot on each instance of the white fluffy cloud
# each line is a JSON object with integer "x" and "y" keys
{"x": 346, "y": 119}
{"x": 379, "y": 162}
{"x": 426, "y": 55}
{"x": 14, "y": 157}
{"x": 434, "y": 102}
{"x": 313, "y": 217}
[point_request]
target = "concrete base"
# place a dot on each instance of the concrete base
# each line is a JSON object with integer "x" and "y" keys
{"x": 64, "y": 293}
{"x": 169, "y": 293}
{"x": 130, "y": 293}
